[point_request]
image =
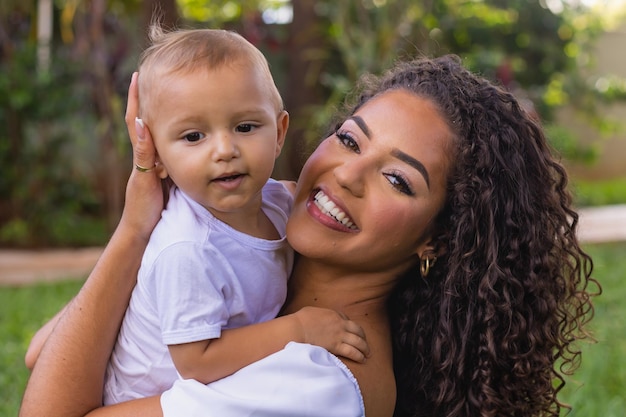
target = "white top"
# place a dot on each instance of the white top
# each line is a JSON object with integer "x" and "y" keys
{"x": 299, "y": 381}
{"x": 198, "y": 276}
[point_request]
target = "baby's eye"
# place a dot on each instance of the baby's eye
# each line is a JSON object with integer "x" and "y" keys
{"x": 245, "y": 127}
{"x": 346, "y": 139}
{"x": 399, "y": 183}
{"x": 193, "y": 137}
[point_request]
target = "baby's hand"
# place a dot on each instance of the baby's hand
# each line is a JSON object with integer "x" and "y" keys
{"x": 333, "y": 331}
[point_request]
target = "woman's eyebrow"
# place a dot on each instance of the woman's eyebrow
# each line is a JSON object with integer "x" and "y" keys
{"x": 397, "y": 153}
{"x": 412, "y": 162}
{"x": 362, "y": 125}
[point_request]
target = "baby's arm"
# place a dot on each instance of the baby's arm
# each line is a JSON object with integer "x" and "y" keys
{"x": 210, "y": 360}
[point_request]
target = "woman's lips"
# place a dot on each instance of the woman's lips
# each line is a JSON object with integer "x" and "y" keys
{"x": 329, "y": 209}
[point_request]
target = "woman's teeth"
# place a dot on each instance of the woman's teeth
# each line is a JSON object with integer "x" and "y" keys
{"x": 330, "y": 209}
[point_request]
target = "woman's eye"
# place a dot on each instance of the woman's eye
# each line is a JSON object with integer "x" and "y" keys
{"x": 245, "y": 127}
{"x": 399, "y": 183}
{"x": 193, "y": 137}
{"x": 347, "y": 140}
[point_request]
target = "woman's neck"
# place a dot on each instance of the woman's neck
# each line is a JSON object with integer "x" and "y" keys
{"x": 354, "y": 294}
{"x": 362, "y": 297}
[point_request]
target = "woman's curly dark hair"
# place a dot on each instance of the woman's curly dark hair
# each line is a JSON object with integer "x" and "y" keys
{"x": 490, "y": 330}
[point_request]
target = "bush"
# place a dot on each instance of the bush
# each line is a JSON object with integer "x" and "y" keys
{"x": 46, "y": 200}
{"x": 600, "y": 193}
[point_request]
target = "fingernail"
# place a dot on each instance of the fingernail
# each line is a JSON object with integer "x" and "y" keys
{"x": 139, "y": 127}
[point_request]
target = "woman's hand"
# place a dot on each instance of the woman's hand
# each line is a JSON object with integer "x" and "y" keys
{"x": 144, "y": 193}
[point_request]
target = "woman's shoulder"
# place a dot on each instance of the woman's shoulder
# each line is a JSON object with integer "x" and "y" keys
{"x": 376, "y": 378}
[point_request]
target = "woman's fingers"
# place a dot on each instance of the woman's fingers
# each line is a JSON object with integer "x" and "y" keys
{"x": 132, "y": 107}
{"x": 144, "y": 194}
{"x": 144, "y": 153}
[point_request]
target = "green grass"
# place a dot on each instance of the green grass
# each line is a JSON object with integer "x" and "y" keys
{"x": 22, "y": 311}
{"x": 597, "y": 388}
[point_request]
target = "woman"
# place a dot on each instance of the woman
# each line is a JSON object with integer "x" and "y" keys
{"x": 459, "y": 258}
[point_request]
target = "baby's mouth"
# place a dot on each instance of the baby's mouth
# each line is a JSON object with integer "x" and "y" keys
{"x": 329, "y": 208}
{"x": 228, "y": 177}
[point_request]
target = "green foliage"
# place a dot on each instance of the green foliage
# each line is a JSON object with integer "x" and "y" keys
{"x": 45, "y": 196}
{"x": 610, "y": 88}
{"x": 214, "y": 12}
{"x": 48, "y": 193}
{"x": 491, "y": 33}
{"x": 568, "y": 145}
{"x": 600, "y": 193}
{"x": 217, "y": 13}
{"x": 538, "y": 54}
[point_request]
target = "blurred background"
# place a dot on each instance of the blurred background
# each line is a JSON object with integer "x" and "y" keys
{"x": 65, "y": 66}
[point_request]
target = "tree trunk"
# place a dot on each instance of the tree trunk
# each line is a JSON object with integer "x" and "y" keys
{"x": 44, "y": 34}
{"x": 110, "y": 170}
{"x": 303, "y": 88}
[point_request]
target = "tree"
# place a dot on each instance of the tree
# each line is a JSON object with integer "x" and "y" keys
{"x": 536, "y": 52}
{"x": 48, "y": 118}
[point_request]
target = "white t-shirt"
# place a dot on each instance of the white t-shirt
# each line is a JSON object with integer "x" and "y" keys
{"x": 198, "y": 276}
{"x": 299, "y": 381}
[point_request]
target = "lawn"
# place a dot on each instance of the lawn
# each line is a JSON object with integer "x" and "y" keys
{"x": 597, "y": 389}
{"x": 22, "y": 312}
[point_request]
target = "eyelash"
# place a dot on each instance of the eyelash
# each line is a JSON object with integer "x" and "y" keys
{"x": 347, "y": 140}
{"x": 397, "y": 180}
{"x": 198, "y": 136}
{"x": 401, "y": 185}
{"x": 249, "y": 126}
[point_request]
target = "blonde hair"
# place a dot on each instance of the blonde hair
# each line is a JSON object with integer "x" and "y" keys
{"x": 186, "y": 51}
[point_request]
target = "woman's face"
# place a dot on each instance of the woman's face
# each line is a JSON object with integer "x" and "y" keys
{"x": 367, "y": 197}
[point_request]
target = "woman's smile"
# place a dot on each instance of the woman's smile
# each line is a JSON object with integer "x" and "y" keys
{"x": 340, "y": 220}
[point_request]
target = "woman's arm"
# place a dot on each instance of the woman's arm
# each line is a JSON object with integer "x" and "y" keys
{"x": 68, "y": 376}
{"x": 36, "y": 343}
{"x": 67, "y": 379}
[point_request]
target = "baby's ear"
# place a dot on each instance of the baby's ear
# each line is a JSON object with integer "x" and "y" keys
{"x": 160, "y": 169}
{"x": 282, "y": 124}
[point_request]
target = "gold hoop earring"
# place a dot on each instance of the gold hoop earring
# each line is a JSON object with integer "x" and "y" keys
{"x": 425, "y": 265}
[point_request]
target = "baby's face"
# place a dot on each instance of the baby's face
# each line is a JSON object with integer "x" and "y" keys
{"x": 217, "y": 135}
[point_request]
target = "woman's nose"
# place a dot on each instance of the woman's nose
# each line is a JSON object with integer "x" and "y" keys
{"x": 224, "y": 147}
{"x": 350, "y": 175}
